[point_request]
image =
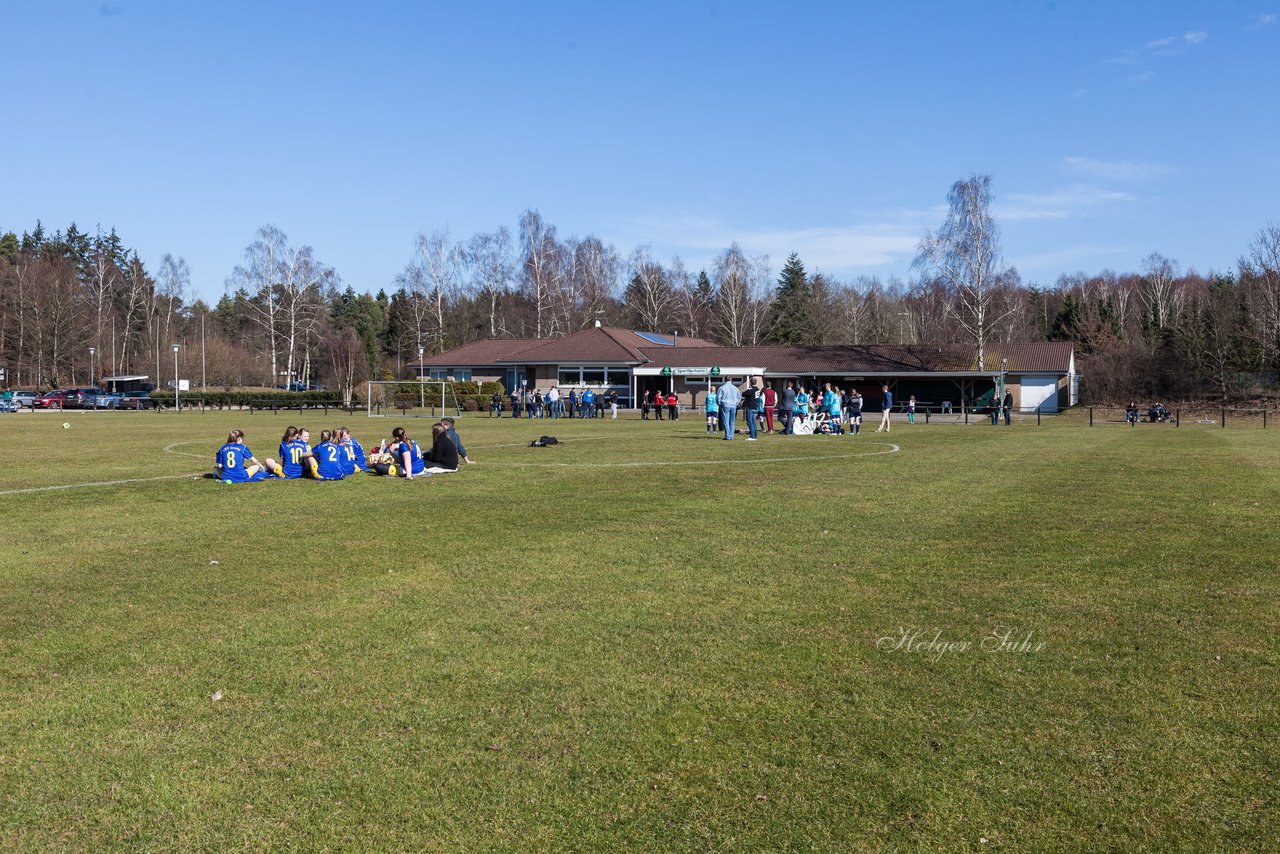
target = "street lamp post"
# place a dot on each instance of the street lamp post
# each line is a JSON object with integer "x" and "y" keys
{"x": 422, "y": 391}
{"x": 1003, "y": 366}
{"x": 92, "y": 366}
{"x": 176, "y": 403}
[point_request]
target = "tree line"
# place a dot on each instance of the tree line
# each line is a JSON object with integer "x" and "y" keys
{"x": 286, "y": 316}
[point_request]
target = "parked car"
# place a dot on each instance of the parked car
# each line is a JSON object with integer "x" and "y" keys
{"x": 107, "y": 400}
{"x": 22, "y": 397}
{"x": 80, "y": 398}
{"x": 302, "y": 387}
{"x": 136, "y": 400}
{"x": 9, "y": 405}
{"x": 50, "y": 400}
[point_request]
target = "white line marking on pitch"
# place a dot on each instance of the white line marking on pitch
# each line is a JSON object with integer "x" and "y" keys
{"x": 169, "y": 449}
{"x": 99, "y": 483}
{"x": 892, "y": 449}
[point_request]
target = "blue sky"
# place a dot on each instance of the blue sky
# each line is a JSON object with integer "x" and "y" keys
{"x": 1111, "y": 129}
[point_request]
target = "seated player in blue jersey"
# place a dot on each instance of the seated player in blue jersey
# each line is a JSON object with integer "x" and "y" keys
{"x": 329, "y": 457}
{"x": 353, "y": 453}
{"x": 235, "y": 463}
{"x": 296, "y": 457}
{"x": 406, "y": 456}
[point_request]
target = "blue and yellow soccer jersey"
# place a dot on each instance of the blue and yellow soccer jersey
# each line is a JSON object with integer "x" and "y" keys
{"x": 357, "y": 450}
{"x": 330, "y": 458}
{"x": 416, "y": 465}
{"x": 291, "y": 454}
{"x": 713, "y": 403}
{"x": 231, "y": 461}
{"x": 802, "y": 403}
{"x": 831, "y": 401}
{"x": 349, "y": 464}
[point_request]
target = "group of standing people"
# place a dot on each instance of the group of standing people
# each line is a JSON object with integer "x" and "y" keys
{"x": 532, "y": 403}
{"x": 798, "y": 411}
{"x": 656, "y": 402}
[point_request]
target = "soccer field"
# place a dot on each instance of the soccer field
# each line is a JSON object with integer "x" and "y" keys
{"x": 951, "y": 638}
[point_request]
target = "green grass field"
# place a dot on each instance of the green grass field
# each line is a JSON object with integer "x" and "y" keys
{"x": 643, "y": 639}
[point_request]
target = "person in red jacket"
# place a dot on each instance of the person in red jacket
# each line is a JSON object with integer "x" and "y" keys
{"x": 770, "y": 402}
{"x": 658, "y": 403}
{"x": 673, "y": 407}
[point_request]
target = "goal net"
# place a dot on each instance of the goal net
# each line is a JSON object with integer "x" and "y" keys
{"x": 411, "y": 398}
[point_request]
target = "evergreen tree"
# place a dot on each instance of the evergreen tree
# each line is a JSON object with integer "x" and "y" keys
{"x": 792, "y": 318}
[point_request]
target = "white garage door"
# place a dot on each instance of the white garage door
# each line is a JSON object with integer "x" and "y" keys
{"x": 1041, "y": 392}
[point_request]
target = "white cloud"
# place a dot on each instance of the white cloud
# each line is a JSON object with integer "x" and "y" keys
{"x": 1115, "y": 170}
{"x": 838, "y": 248}
{"x": 1261, "y": 21}
{"x": 885, "y": 238}
{"x": 1060, "y": 203}
{"x": 1166, "y": 46}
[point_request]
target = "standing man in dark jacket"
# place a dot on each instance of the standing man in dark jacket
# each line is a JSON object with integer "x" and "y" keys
{"x": 788, "y": 407}
{"x": 1008, "y": 407}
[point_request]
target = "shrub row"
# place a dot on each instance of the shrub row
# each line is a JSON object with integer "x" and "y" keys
{"x": 256, "y": 397}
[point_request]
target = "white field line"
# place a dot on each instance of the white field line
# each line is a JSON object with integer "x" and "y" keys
{"x": 169, "y": 449}
{"x": 98, "y": 483}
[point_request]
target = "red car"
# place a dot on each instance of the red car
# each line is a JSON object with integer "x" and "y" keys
{"x": 51, "y": 400}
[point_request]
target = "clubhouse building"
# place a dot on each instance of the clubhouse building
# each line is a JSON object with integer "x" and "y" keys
{"x": 1040, "y": 375}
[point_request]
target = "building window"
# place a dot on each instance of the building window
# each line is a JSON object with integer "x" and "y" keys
{"x": 596, "y": 377}
{"x": 462, "y": 375}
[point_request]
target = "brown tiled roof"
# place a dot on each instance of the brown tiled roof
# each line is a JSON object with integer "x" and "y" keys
{"x": 623, "y": 346}
{"x": 1053, "y": 356}
{"x": 597, "y": 344}
{"x": 477, "y": 353}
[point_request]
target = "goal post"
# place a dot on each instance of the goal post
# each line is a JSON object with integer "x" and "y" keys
{"x": 411, "y": 398}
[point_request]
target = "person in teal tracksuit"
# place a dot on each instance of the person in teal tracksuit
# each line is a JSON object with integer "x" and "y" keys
{"x": 713, "y": 411}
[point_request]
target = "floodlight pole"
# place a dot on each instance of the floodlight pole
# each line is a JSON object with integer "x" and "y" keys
{"x": 176, "y": 403}
{"x": 92, "y": 365}
{"x": 422, "y": 391}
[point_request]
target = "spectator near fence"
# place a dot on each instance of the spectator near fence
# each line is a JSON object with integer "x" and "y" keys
{"x": 886, "y": 407}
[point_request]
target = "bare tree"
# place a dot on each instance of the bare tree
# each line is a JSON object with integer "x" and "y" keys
{"x": 103, "y": 280}
{"x": 1260, "y": 270}
{"x": 300, "y": 298}
{"x": 649, "y": 297}
{"x": 431, "y": 278}
{"x": 1160, "y": 293}
{"x": 258, "y": 276}
{"x": 740, "y": 307}
{"x": 173, "y": 281}
{"x": 595, "y": 272}
{"x": 965, "y": 254}
{"x": 137, "y": 295}
{"x": 488, "y": 255}
{"x": 541, "y": 267}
